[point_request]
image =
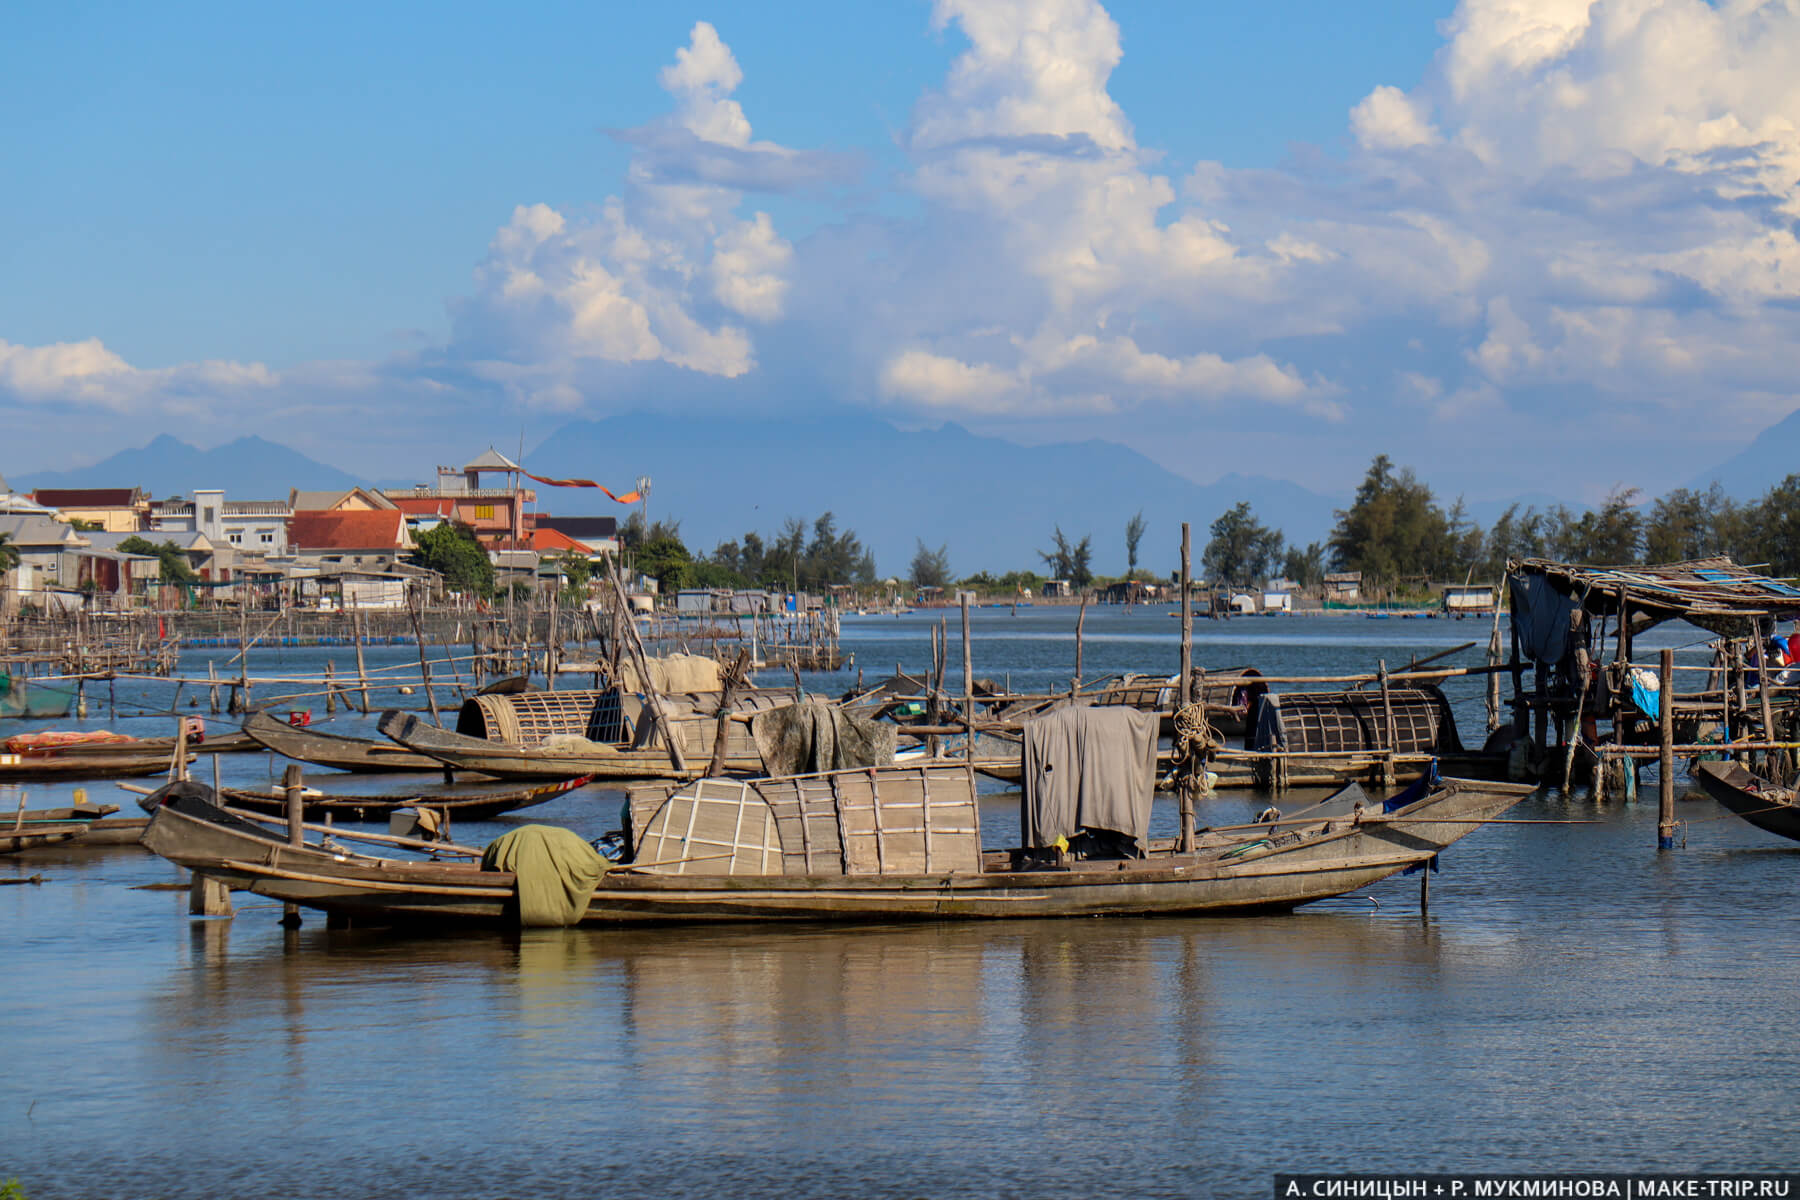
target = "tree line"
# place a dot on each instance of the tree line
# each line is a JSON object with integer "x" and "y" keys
{"x": 803, "y": 556}
{"x": 1395, "y": 531}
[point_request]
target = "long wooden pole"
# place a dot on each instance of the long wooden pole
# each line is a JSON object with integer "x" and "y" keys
{"x": 1187, "y": 614}
{"x": 362, "y": 669}
{"x": 1665, "y": 787}
{"x": 293, "y": 786}
{"x": 1080, "y": 622}
{"x": 968, "y": 666}
{"x": 1185, "y": 839}
{"x": 412, "y": 610}
{"x": 676, "y": 757}
{"x": 1770, "y": 770}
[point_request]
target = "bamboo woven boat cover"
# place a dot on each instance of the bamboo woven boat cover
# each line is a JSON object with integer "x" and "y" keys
{"x": 714, "y": 827}
{"x": 528, "y": 718}
{"x": 1340, "y": 722}
{"x": 876, "y": 821}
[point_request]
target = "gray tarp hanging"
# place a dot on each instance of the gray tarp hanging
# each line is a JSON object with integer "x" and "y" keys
{"x": 802, "y": 739}
{"x": 1540, "y": 615}
{"x": 1088, "y": 768}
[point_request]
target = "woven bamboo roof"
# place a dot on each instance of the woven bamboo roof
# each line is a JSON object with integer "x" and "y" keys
{"x": 1713, "y": 593}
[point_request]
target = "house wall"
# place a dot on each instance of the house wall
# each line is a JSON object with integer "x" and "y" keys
{"x": 112, "y": 520}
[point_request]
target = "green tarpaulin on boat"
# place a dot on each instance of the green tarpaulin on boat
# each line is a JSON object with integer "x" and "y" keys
{"x": 555, "y": 870}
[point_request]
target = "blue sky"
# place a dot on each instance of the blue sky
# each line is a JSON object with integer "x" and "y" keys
{"x": 1489, "y": 238}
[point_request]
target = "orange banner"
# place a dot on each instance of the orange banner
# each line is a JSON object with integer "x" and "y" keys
{"x": 627, "y": 498}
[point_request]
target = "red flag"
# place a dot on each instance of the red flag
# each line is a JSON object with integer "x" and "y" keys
{"x": 627, "y": 498}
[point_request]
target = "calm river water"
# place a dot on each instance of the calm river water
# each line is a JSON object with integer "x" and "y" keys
{"x": 1574, "y": 1000}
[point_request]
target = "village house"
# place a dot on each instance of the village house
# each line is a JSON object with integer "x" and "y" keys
{"x": 251, "y": 528}
{"x": 371, "y": 539}
{"x": 113, "y": 510}
{"x": 496, "y": 514}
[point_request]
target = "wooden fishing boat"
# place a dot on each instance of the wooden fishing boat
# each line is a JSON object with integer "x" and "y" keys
{"x": 460, "y": 805}
{"x": 50, "y": 765}
{"x": 506, "y": 761}
{"x": 86, "y": 825}
{"x": 335, "y": 750}
{"x": 827, "y": 848}
{"x": 1768, "y": 806}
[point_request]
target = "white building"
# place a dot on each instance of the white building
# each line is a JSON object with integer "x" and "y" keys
{"x": 253, "y": 528}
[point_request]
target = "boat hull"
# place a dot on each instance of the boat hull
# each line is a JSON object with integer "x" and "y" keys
{"x": 363, "y": 756}
{"x": 1770, "y": 808}
{"x": 1254, "y": 872}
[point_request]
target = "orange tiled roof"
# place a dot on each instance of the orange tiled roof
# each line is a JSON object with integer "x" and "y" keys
{"x": 383, "y": 529}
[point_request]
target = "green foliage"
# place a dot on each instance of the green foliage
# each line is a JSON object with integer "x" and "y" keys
{"x": 1612, "y": 537}
{"x": 11, "y": 1190}
{"x": 173, "y": 560}
{"x": 930, "y": 568}
{"x": 1134, "y": 533}
{"x": 9, "y": 553}
{"x": 1013, "y": 583}
{"x": 453, "y": 551}
{"x": 810, "y": 561}
{"x": 1068, "y": 560}
{"x": 81, "y": 525}
{"x": 1243, "y": 550}
{"x": 1393, "y": 529}
{"x": 1305, "y": 567}
{"x": 664, "y": 558}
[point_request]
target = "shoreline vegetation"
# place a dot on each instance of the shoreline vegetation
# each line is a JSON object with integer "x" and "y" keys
{"x": 1395, "y": 532}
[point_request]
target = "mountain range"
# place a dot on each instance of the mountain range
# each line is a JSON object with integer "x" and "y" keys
{"x": 1771, "y": 457}
{"x": 993, "y": 503}
{"x": 251, "y": 468}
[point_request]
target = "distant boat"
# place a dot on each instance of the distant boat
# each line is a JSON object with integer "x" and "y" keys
{"x": 478, "y": 805}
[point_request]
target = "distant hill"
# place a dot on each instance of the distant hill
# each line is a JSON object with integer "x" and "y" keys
{"x": 1771, "y": 456}
{"x": 248, "y": 469}
{"x": 994, "y": 503}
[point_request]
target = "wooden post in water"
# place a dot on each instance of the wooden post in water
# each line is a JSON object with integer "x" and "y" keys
{"x": 1743, "y": 699}
{"x": 212, "y": 691}
{"x": 1187, "y": 615}
{"x": 330, "y": 688}
{"x": 1184, "y": 841}
{"x": 1387, "y": 725}
{"x": 207, "y": 897}
{"x": 1665, "y": 759}
{"x": 1770, "y": 757}
{"x": 1521, "y": 714}
{"x": 178, "y": 766}
{"x": 412, "y": 610}
{"x": 969, "y": 681}
{"x": 293, "y": 787}
{"x": 1493, "y": 680}
{"x": 362, "y": 671}
{"x": 552, "y": 653}
{"x": 243, "y": 696}
{"x": 934, "y": 678}
{"x": 1080, "y": 620}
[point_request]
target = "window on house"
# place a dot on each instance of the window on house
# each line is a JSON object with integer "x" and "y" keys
{"x": 484, "y": 512}
{"x": 236, "y": 539}
{"x": 207, "y": 515}
{"x": 268, "y": 539}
